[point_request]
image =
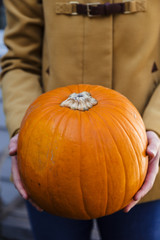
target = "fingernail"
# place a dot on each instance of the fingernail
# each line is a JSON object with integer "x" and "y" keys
{"x": 40, "y": 210}
{"x": 24, "y": 195}
{"x": 135, "y": 198}
{"x": 126, "y": 210}
{"x": 152, "y": 152}
{"x": 12, "y": 152}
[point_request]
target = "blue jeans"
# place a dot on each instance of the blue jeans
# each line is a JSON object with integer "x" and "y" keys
{"x": 141, "y": 223}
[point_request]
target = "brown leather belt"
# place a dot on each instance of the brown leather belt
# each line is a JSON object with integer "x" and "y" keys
{"x": 97, "y": 9}
{"x": 94, "y": 9}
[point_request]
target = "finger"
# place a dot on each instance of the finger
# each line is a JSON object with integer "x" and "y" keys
{"x": 13, "y": 152}
{"x": 152, "y": 150}
{"x": 153, "y": 144}
{"x": 12, "y": 148}
{"x": 35, "y": 205}
{"x": 149, "y": 181}
{"x": 130, "y": 206}
{"x": 17, "y": 180}
{"x": 13, "y": 145}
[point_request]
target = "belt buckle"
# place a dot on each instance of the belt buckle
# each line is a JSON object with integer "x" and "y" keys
{"x": 73, "y": 4}
{"x": 89, "y": 10}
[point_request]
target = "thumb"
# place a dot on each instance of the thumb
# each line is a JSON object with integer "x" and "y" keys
{"x": 13, "y": 145}
{"x": 151, "y": 151}
{"x": 153, "y": 144}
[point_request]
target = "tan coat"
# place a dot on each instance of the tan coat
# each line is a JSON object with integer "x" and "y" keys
{"x": 49, "y": 50}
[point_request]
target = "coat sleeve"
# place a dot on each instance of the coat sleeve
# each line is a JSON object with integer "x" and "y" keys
{"x": 21, "y": 66}
{"x": 151, "y": 114}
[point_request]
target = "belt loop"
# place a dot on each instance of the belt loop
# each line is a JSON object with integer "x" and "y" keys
{"x": 69, "y": 8}
{"x": 130, "y": 7}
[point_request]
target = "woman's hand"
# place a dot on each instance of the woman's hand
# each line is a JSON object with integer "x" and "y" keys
{"x": 153, "y": 152}
{"x": 15, "y": 172}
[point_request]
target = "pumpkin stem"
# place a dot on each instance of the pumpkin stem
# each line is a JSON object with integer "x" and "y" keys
{"x": 79, "y": 101}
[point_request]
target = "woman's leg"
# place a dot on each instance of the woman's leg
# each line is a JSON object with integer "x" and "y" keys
{"x": 141, "y": 223}
{"x": 48, "y": 227}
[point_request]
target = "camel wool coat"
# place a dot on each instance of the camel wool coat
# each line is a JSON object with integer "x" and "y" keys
{"x": 49, "y": 46}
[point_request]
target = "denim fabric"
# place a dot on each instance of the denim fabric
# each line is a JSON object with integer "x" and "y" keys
{"x": 48, "y": 227}
{"x": 141, "y": 223}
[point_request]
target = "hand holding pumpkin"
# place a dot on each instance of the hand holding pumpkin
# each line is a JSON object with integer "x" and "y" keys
{"x": 15, "y": 172}
{"x": 153, "y": 151}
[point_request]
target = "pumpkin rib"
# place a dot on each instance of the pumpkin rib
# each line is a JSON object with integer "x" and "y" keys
{"x": 54, "y": 128}
{"x": 140, "y": 141}
{"x": 67, "y": 116}
{"x": 39, "y": 117}
{"x": 128, "y": 109}
{"x": 85, "y": 207}
{"x": 28, "y": 137}
{"x": 36, "y": 112}
{"x": 72, "y": 89}
{"x": 92, "y": 117}
{"x": 35, "y": 123}
{"x": 51, "y": 98}
{"x": 80, "y": 188}
{"x": 57, "y": 94}
{"x": 45, "y": 174}
{"x": 54, "y": 133}
{"x": 141, "y": 173}
{"x": 107, "y": 96}
{"x": 120, "y": 123}
{"x": 112, "y": 107}
{"x": 81, "y": 88}
{"x": 137, "y": 134}
{"x": 125, "y": 169}
{"x": 134, "y": 150}
{"x": 51, "y": 146}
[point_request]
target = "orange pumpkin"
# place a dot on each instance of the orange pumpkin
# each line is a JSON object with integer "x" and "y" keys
{"x": 86, "y": 157}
